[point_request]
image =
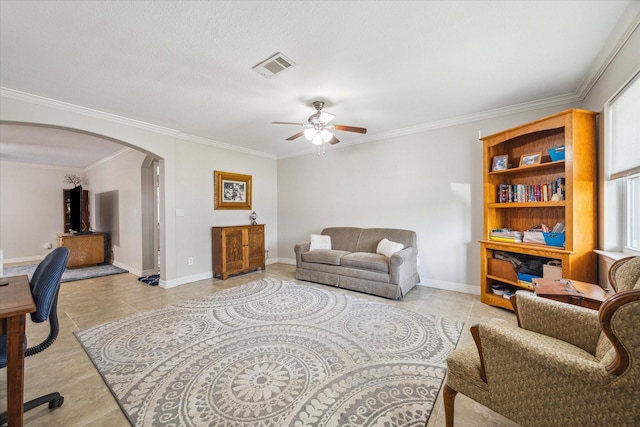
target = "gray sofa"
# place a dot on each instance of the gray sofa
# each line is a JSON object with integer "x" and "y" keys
{"x": 352, "y": 262}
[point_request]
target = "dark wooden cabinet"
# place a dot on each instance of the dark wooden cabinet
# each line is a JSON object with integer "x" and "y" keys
{"x": 67, "y": 210}
{"x": 237, "y": 249}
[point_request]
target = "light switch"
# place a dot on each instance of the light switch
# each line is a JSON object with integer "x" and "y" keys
{"x": 179, "y": 212}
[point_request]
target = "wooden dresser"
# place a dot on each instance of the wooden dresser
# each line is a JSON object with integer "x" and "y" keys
{"x": 237, "y": 249}
{"x": 84, "y": 249}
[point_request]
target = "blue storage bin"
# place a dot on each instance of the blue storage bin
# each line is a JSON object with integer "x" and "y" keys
{"x": 554, "y": 239}
{"x": 556, "y": 153}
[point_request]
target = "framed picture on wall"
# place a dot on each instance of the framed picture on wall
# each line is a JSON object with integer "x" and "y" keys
{"x": 500, "y": 163}
{"x": 530, "y": 159}
{"x": 231, "y": 191}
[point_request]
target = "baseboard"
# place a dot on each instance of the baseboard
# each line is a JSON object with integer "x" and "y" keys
{"x": 288, "y": 261}
{"x": 130, "y": 269}
{"x": 36, "y": 258}
{"x": 450, "y": 286}
{"x": 185, "y": 279}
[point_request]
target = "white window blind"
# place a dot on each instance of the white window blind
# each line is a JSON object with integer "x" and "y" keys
{"x": 624, "y": 130}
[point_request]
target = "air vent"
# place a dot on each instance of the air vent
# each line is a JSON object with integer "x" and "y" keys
{"x": 273, "y": 65}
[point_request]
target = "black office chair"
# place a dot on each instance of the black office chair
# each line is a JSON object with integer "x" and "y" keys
{"x": 45, "y": 284}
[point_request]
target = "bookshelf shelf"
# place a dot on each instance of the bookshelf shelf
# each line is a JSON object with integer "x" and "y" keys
{"x": 575, "y": 130}
{"x": 518, "y": 205}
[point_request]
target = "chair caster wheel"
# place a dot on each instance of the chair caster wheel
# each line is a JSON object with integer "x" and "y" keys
{"x": 56, "y": 403}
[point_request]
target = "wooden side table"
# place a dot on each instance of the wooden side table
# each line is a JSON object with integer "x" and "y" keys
{"x": 571, "y": 291}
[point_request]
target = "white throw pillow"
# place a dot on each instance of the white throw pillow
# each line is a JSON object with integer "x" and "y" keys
{"x": 388, "y": 248}
{"x": 319, "y": 241}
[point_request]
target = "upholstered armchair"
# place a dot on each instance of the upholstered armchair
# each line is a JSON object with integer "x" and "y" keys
{"x": 561, "y": 365}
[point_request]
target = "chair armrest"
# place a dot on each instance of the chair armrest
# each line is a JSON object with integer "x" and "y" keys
{"x": 619, "y": 316}
{"x": 575, "y": 325}
{"x": 403, "y": 264}
{"x": 507, "y": 348}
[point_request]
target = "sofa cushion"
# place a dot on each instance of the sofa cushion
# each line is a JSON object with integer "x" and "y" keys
{"x": 324, "y": 256}
{"x": 387, "y": 248}
{"x": 367, "y": 261}
{"x": 318, "y": 241}
{"x": 370, "y": 238}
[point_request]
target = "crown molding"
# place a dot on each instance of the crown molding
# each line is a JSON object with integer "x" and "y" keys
{"x": 88, "y": 112}
{"x": 41, "y": 166}
{"x": 108, "y": 158}
{"x": 222, "y": 145}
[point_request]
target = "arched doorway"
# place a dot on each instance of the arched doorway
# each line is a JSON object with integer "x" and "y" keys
{"x": 53, "y": 138}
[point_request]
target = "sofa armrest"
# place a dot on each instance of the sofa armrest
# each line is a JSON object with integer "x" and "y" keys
{"x": 576, "y": 325}
{"x": 403, "y": 265}
{"x": 299, "y": 250}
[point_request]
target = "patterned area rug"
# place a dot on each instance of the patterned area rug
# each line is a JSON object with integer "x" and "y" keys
{"x": 272, "y": 353}
{"x": 70, "y": 274}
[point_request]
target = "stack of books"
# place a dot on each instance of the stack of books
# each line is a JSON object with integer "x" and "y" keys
{"x": 506, "y": 235}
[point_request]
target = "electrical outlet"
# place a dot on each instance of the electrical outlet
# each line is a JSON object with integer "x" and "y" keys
{"x": 48, "y": 245}
{"x": 190, "y": 261}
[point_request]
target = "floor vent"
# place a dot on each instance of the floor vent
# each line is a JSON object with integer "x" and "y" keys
{"x": 273, "y": 65}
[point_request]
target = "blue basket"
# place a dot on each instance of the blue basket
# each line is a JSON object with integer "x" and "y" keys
{"x": 554, "y": 239}
{"x": 556, "y": 153}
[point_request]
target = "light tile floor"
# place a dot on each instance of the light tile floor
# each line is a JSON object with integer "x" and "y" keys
{"x": 66, "y": 368}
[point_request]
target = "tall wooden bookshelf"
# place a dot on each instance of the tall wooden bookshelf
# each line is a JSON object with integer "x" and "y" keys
{"x": 576, "y": 131}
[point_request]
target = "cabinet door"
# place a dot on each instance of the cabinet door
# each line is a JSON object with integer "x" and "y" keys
{"x": 255, "y": 240}
{"x": 232, "y": 247}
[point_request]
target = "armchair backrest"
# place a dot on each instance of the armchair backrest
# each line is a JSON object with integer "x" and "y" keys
{"x": 624, "y": 274}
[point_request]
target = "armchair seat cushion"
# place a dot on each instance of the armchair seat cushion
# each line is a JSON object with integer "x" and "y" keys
{"x": 324, "y": 256}
{"x": 464, "y": 374}
{"x": 366, "y": 260}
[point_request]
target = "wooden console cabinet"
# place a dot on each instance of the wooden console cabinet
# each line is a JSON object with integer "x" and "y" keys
{"x": 576, "y": 131}
{"x": 84, "y": 249}
{"x": 237, "y": 249}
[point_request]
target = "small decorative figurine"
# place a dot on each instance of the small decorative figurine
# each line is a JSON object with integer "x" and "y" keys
{"x": 253, "y": 218}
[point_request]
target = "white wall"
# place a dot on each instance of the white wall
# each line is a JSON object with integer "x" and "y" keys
{"x": 195, "y": 164}
{"x": 121, "y": 174}
{"x": 429, "y": 182}
{"x": 31, "y": 209}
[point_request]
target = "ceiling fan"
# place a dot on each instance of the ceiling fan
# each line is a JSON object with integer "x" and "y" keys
{"x": 318, "y": 130}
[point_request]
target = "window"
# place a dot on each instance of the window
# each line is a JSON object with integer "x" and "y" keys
{"x": 622, "y": 165}
{"x": 632, "y": 213}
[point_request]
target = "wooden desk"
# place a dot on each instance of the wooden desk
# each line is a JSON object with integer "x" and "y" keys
{"x": 15, "y": 302}
{"x": 573, "y": 292}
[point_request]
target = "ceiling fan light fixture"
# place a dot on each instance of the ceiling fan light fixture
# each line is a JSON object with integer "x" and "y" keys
{"x": 317, "y": 139}
{"x": 309, "y": 133}
{"x": 326, "y": 135}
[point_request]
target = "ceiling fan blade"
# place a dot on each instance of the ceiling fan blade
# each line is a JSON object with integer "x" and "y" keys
{"x": 297, "y": 135}
{"x": 350, "y": 128}
{"x": 287, "y": 123}
{"x": 334, "y": 140}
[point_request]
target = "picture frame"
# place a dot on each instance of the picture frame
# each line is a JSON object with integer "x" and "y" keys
{"x": 231, "y": 191}
{"x": 531, "y": 159}
{"x": 500, "y": 163}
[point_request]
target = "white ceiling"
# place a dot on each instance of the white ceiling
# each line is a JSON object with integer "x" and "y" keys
{"x": 389, "y": 66}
